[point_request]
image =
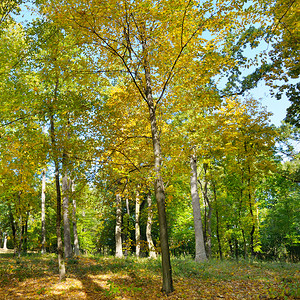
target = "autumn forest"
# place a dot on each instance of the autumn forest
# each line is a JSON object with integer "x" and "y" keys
{"x": 136, "y": 160}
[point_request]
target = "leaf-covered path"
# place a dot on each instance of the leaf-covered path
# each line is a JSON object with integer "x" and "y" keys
{"x": 34, "y": 277}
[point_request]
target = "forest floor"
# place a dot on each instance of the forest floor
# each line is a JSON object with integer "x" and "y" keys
{"x": 35, "y": 277}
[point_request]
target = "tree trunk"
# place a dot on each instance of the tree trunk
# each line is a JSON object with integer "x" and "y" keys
{"x": 61, "y": 261}
{"x": 5, "y": 241}
{"x": 152, "y": 252}
{"x": 158, "y": 182}
{"x": 118, "y": 232}
{"x": 137, "y": 225}
{"x": 252, "y": 215}
{"x": 218, "y": 223}
{"x": 25, "y": 232}
{"x": 13, "y": 227}
{"x": 126, "y": 222}
{"x": 75, "y": 233}
{"x": 160, "y": 198}
{"x": 67, "y": 231}
{"x": 200, "y": 254}
{"x": 43, "y": 211}
{"x": 19, "y": 248}
{"x": 207, "y": 231}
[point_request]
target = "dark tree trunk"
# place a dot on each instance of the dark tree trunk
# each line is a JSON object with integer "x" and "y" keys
{"x": 43, "y": 211}
{"x": 60, "y": 251}
{"x": 158, "y": 181}
{"x": 218, "y": 223}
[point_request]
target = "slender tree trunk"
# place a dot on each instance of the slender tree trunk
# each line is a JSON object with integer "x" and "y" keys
{"x": 20, "y": 242}
{"x": 137, "y": 225}
{"x": 158, "y": 182}
{"x": 25, "y": 232}
{"x": 152, "y": 252}
{"x": 252, "y": 215}
{"x": 118, "y": 231}
{"x": 236, "y": 248}
{"x": 5, "y": 241}
{"x": 67, "y": 231}
{"x": 244, "y": 244}
{"x": 207, "y": 231}
{"x": 127, "y": 229}
{"x": 13, "y": 227}
{"x": 200, "y": 254}
{"x": 43, "y": 211}
{"x": 61, "y": 261}
{"x": 218, "y": 223}
{"x": 75, "y": 233}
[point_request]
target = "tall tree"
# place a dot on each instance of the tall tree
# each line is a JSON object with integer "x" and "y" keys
{"x": 43, "y": 211}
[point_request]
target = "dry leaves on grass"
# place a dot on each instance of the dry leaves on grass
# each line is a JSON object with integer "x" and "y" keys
{"x": 108, "y": 278}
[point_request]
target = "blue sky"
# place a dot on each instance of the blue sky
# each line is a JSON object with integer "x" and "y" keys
{"x": 277, "y": 107}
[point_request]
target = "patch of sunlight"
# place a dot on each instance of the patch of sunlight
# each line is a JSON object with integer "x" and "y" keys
{"x": 68, "y": 284}
{"x": 101, "y": 280}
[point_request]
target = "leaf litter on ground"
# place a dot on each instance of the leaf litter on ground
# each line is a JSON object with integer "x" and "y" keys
{"x": 35, "y": 276}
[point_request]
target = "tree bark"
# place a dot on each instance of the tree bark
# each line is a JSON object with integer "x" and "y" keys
{"x": 61, "y": 261}
{"x": 5, "y": 241}
{"x": 152, "y": 252}
{"x": 13, "y": 227}
{"x": 160, "y": 198}
{"x": 218, "y": 223}
{"x": 158, "y": 182}
{"x": 19, "y": 248}
{"x": 207, "y": 221}
{"x": 25, "y": 233}
{"x": 67, "y": 231}
{"x": 118, "y": 229}
{"x": 137, "y": 225}
{"x": 200, "y": 254}
{"x": 75, "y": 233}
{"x": 43, "y": 211}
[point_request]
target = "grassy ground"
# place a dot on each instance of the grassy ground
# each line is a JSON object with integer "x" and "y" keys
{"x": 35, "y": 277}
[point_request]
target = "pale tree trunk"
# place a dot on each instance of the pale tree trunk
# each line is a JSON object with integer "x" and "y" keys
{"x": 67, "y": 231}
{"x": 200, "y": 254}
{"x": 61, "y": 261}
{"x": 137, "y": 225}
{"x": 5, "y": 241}
{"x": 118, "y": 229}
{"x": 127, "y": 231}
{"x": 43, "y": 211}
{"x": 152, "y": 253}
{"x": 75, "y": 233}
